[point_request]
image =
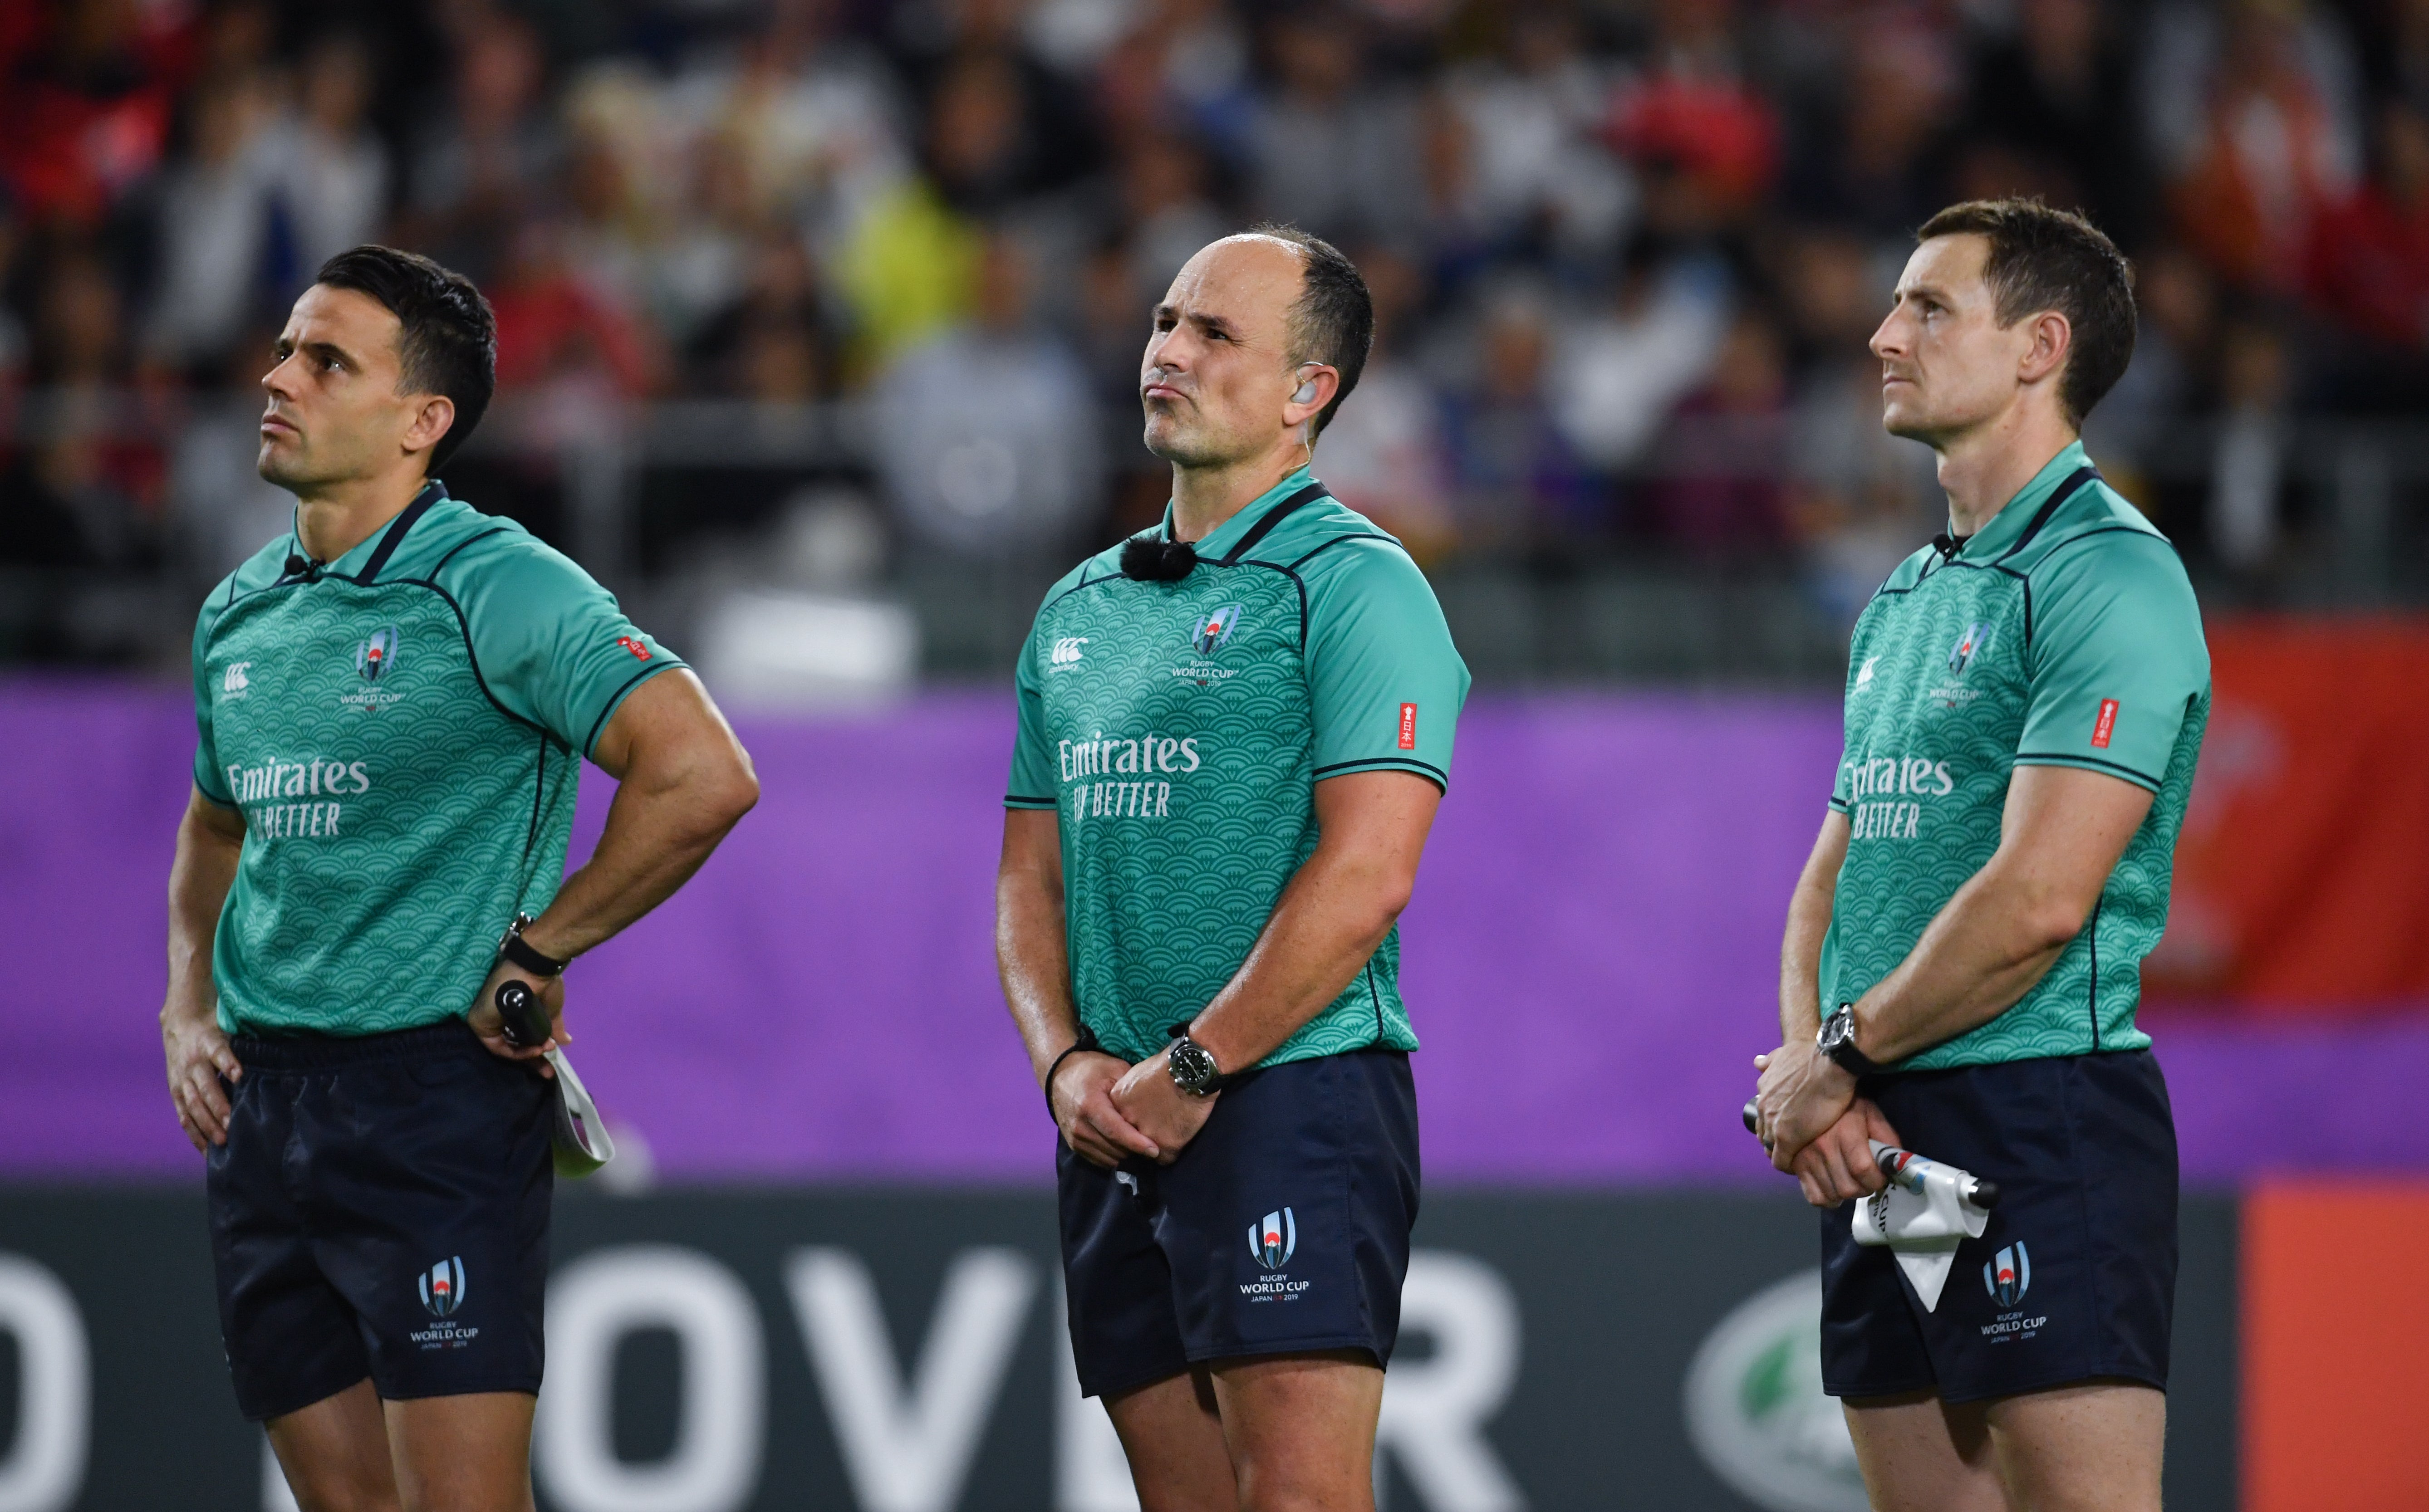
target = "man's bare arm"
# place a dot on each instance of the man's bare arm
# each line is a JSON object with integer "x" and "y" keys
{"x": 1331, "y": 916}
{"x": 210, "y": 840}
{"x": 1838, "y": 1165}
{"x": 1808, "y": 920}
{"x": 1032, "y": 956}
{"x": 683, "y": 781}
{"x": 2061, "y": 834}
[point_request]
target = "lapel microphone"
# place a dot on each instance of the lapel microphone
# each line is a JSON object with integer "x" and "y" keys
{"x": 1151, "y": 559}
{"x": 302, "y": 567}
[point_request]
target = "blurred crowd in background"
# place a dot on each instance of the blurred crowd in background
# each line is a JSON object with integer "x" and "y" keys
{"x": 1626, "y": 254}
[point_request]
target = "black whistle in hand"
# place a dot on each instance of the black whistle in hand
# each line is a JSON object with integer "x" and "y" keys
{"x": 526, "y": 1021}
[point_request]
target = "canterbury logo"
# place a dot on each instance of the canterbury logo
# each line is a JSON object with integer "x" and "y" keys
{"x": 1066, "y": 650}
{"x": 235, "y": 679}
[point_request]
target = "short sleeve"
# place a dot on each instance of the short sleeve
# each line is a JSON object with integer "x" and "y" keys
{"x": 1033, "y": 781}
{"x": 1387, "y": 682}
{"x": 552, "y": 646}
{"x": 209, "y": 777}
{"x": 2117, "y": 658}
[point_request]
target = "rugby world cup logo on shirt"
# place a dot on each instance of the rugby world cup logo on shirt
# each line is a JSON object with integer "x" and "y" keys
{"x": 376, "y": 656}
{"x": 1214, "y": 628}
{"x": 1969, "y": 644}
{"x": 443, "y": 1287}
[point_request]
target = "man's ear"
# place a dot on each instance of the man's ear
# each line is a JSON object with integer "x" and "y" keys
{"x": 431, "y": 423}
{"x": 2053, "y": 337}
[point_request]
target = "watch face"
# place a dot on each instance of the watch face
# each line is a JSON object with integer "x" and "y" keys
{"x": 1191, "y": 1065}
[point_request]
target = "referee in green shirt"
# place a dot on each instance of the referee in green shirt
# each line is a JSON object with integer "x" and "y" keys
{"x": 393, "y": 701}
{"x": 1234, "y": 732}
{"x": 2025, "y": 705}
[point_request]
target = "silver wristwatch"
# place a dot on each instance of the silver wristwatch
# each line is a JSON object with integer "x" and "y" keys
{"x": 1193, "y": 1070}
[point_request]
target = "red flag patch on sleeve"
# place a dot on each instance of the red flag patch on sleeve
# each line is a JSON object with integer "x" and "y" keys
{"x": 2106, "y": 725}
{"x": 644, "y": 652}
{"x": 1407, "y": 726}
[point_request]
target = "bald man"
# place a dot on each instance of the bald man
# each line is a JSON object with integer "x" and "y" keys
{"x": 1235, "y": 730}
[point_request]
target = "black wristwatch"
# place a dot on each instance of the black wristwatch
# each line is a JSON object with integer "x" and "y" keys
{"x": 1838, "y": 1042}
{"x": 513, "y": 947}
{"x": 1193, "y": 1070}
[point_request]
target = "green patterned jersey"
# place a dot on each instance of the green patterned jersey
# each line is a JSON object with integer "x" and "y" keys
{"x": 403, "y": 731}
{"x": 2063, "y": 634}
{"x": 1180, "y": 730}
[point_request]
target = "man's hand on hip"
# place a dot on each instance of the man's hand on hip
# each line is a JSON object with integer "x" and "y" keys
{"x": 198, "y": 1057}
{"x": 1171, "y": 1118}
{"x": 489, "y": 1026}
{"x": 1082, "y": 1097}
{"x": 1802, "y": 1093}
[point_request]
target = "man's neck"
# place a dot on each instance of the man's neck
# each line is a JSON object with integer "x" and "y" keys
{"x": 330, "y": 522}
{"x": 1204, "y": 498}
{"x": 1985, "y": 467}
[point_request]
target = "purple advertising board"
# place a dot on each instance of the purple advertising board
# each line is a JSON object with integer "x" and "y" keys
{"x": 1590, "y": 958}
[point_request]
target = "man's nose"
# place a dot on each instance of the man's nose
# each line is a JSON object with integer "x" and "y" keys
{"x": 273, "y": 381}
{"x": 1886, "y": 341}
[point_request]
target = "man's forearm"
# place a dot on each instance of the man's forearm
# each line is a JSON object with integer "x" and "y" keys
{"x": 1808, "y": 922}
{"x": 656, "y": 837}
{"x": 200, "y": 875}
{"x": 1981, "y": 955}
{"x": 1333, "y": 916}
{"x": 1033, "y": 951}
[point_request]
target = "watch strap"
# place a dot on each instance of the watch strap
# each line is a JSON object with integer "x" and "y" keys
{"x": 1841, "y": 1048}
{"x": 515, "y": 949}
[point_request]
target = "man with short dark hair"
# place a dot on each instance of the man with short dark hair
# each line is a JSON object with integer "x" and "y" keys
{"x": 392, "y": 701}
{"x": 2025, "y": 707}
{"x": 1233, "y": 732}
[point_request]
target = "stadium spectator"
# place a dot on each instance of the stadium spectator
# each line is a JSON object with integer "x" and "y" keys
{"x": 2255, "y": 115}
{"x": 2368, "y": 267}
{"x": 988, "y": 431}
{"x": 1716, "y": 491}
{"x": 478, "y": 162}
{"x": 1332, "y": 151}
{"x": 330, "y": 168}
{"x": 1519, "y": 481}
{"x": 215, "y": 224}
{"x": 86, "y": 112}
{"x": 2055, "y": 97}
{"x": 1382, "y": 455}
{"x": 1620, "y": 372}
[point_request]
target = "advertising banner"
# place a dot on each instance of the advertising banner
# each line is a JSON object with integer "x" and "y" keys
{"x": 2298, "y": 885}
{"x": 902, "y": 1350}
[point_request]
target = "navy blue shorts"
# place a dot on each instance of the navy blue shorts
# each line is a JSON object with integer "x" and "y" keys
{"x": 1282, "y": 1229}
{"x": 380, "y": 1209}
{"x": 2076, "y": 1276}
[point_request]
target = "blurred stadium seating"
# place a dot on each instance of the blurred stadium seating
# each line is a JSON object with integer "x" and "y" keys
{"x": 749, "y": 257}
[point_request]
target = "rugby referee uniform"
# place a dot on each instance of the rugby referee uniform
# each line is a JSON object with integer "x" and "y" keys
{"x": 403, "y": 729}
{"x": 1180, "y": 730}
{"x": 2065, "y": 633}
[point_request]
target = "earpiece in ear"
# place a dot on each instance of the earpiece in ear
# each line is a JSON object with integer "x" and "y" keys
{"x": 1305, "y": 394}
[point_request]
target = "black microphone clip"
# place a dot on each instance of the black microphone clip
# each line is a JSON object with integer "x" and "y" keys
{"x": 1153, "y": 559}
{"x": 302, "y": 567}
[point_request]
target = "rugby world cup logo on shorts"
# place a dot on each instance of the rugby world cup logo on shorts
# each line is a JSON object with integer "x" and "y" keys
{"x": 443, "y": 1287}
{"x": 1274, "y": 1238}
{"x": 376, "y": 655}
{"x": 1214, "y": 628}
{"x": 2009, "y": 1275}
